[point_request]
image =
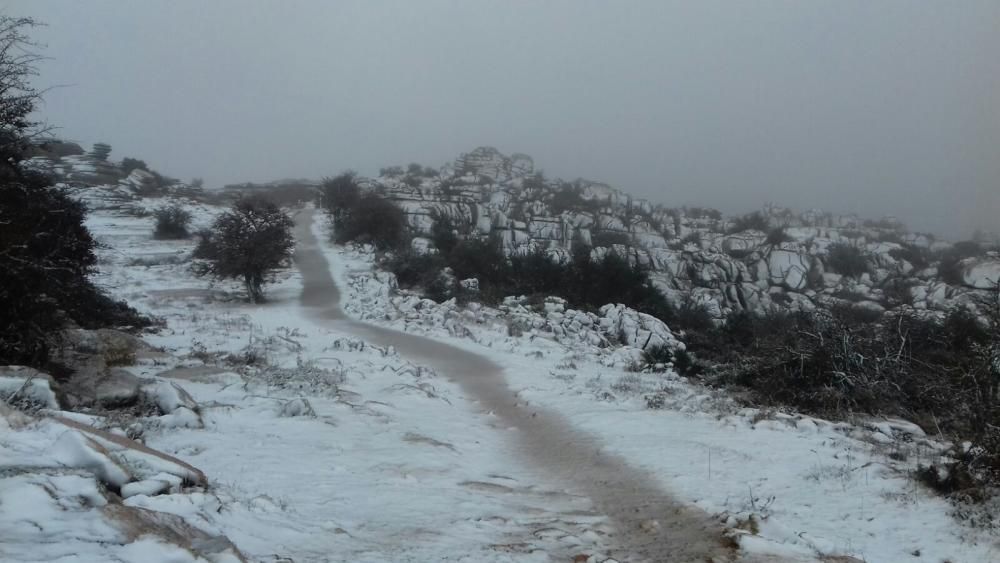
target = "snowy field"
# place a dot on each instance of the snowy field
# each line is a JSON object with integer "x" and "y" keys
{"x": 316, "y": 445}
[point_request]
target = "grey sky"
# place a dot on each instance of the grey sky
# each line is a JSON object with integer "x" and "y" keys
{"x": 871, "y": 107}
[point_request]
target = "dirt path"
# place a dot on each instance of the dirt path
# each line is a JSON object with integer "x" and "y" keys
{"x": 650, "y": 524}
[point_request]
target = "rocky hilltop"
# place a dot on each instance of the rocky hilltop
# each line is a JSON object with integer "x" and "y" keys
{"x": 775, "y": 258}
{"x": 108, "y": 183}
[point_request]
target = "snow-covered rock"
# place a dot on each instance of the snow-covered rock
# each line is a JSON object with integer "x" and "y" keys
{"x": 788, "y": 269}
{"x": 982, "y": 274}
{"x": 19, "y": 384}
{"x": 636, "y": 329}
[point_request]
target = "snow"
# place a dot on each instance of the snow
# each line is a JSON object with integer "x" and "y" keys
{"x": 296, "y": 438}
{"x": 837, "y": 489}
{"x": 25, "y": 383}
{"x": 73, "y": 449}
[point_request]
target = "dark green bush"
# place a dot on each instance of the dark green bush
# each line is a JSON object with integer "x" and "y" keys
{"x": 897, "y": 291}
{"x": 917, "y": 256}
{"x": 777, "y": 236}
{"x": 444, "y": 235}
{"x": 751, "y": 221}
{"x": 340, "y": 194}
{"x": 566, "y": 198}
{"x": 172, "y": 222}
{"x": 129, "y": 164}
{"x": 950, "y": 266}
{"x": 610, "y": 238}
{"x": 372, "y": 220}
{"x": 247, "y": 242}
{"x": 694, "y": 237}
{"x": 847, "y": 260}
{"x": 391, "y": 171}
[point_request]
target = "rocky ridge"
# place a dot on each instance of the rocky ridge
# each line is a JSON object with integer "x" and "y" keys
{"x": 694, "y": 254}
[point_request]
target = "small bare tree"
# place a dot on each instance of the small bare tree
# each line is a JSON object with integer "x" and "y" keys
{"x": 248, "y": 241}
{"x": 18, "y": 65}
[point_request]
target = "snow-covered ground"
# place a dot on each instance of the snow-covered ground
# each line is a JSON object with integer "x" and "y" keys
{"x": 812, "y": 487}
{"x": 319, "y": 446}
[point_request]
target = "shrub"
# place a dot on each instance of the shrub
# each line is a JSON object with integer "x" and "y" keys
{"x": 950, "y": 267}
{"x": 483, "y": 259}
{"x": 777, "y": 236}
{"x": 657, "y": 355}
{"x": 918, "y": 257}
{"x": 847, "y": 260}
{"x": 584, "y": 283}
{"x": 129, "y": 164}
{"x": 935, "y": 372}
{"x": 537, "y": 274}
{"x": 694, "y": 237}
{"x": 693, "y": 316}
{"x": 610, "y": 238}
{"x": 751, "y": 221}
{"x": 340, "y": 194}
{"x": 850, "y": 295}
{"x": 414, "y": 270}
{"x": 535, "y": 182}
{"x": 251, "y": 239}
{"x": 391, "y": 171}
{"x": 706, "y": 212}
{"x": 172, "y": 222}
{"x": 739, "y": 253}
{"x": 443, "y": 233}
{"x": 897, "y": 291}
{"x": 373, "y": 220}
{"x": 567, "y": 198}
{"x": 855, "y": 315}
{"x": 686, "y": 365}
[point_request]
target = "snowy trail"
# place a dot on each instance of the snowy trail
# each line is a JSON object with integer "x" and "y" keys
{"x": 650, "y": 524}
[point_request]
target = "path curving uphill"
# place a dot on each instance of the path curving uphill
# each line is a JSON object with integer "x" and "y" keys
{"x": 651, "y": 525}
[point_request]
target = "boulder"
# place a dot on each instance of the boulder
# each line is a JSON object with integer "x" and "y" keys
{"x": 636, "y": 329}
{"x": 486, "y": 161}
{"x": 117, "y": 388}
{"x": 103, "y": 347}
{"x": 982, "y": 274}
{"x": 744, "y": 241}
{"x": 141, "y": 181}
{"x": 788, "y": 269}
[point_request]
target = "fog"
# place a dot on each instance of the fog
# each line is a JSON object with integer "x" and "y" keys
{"x": 889, "y": 107}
